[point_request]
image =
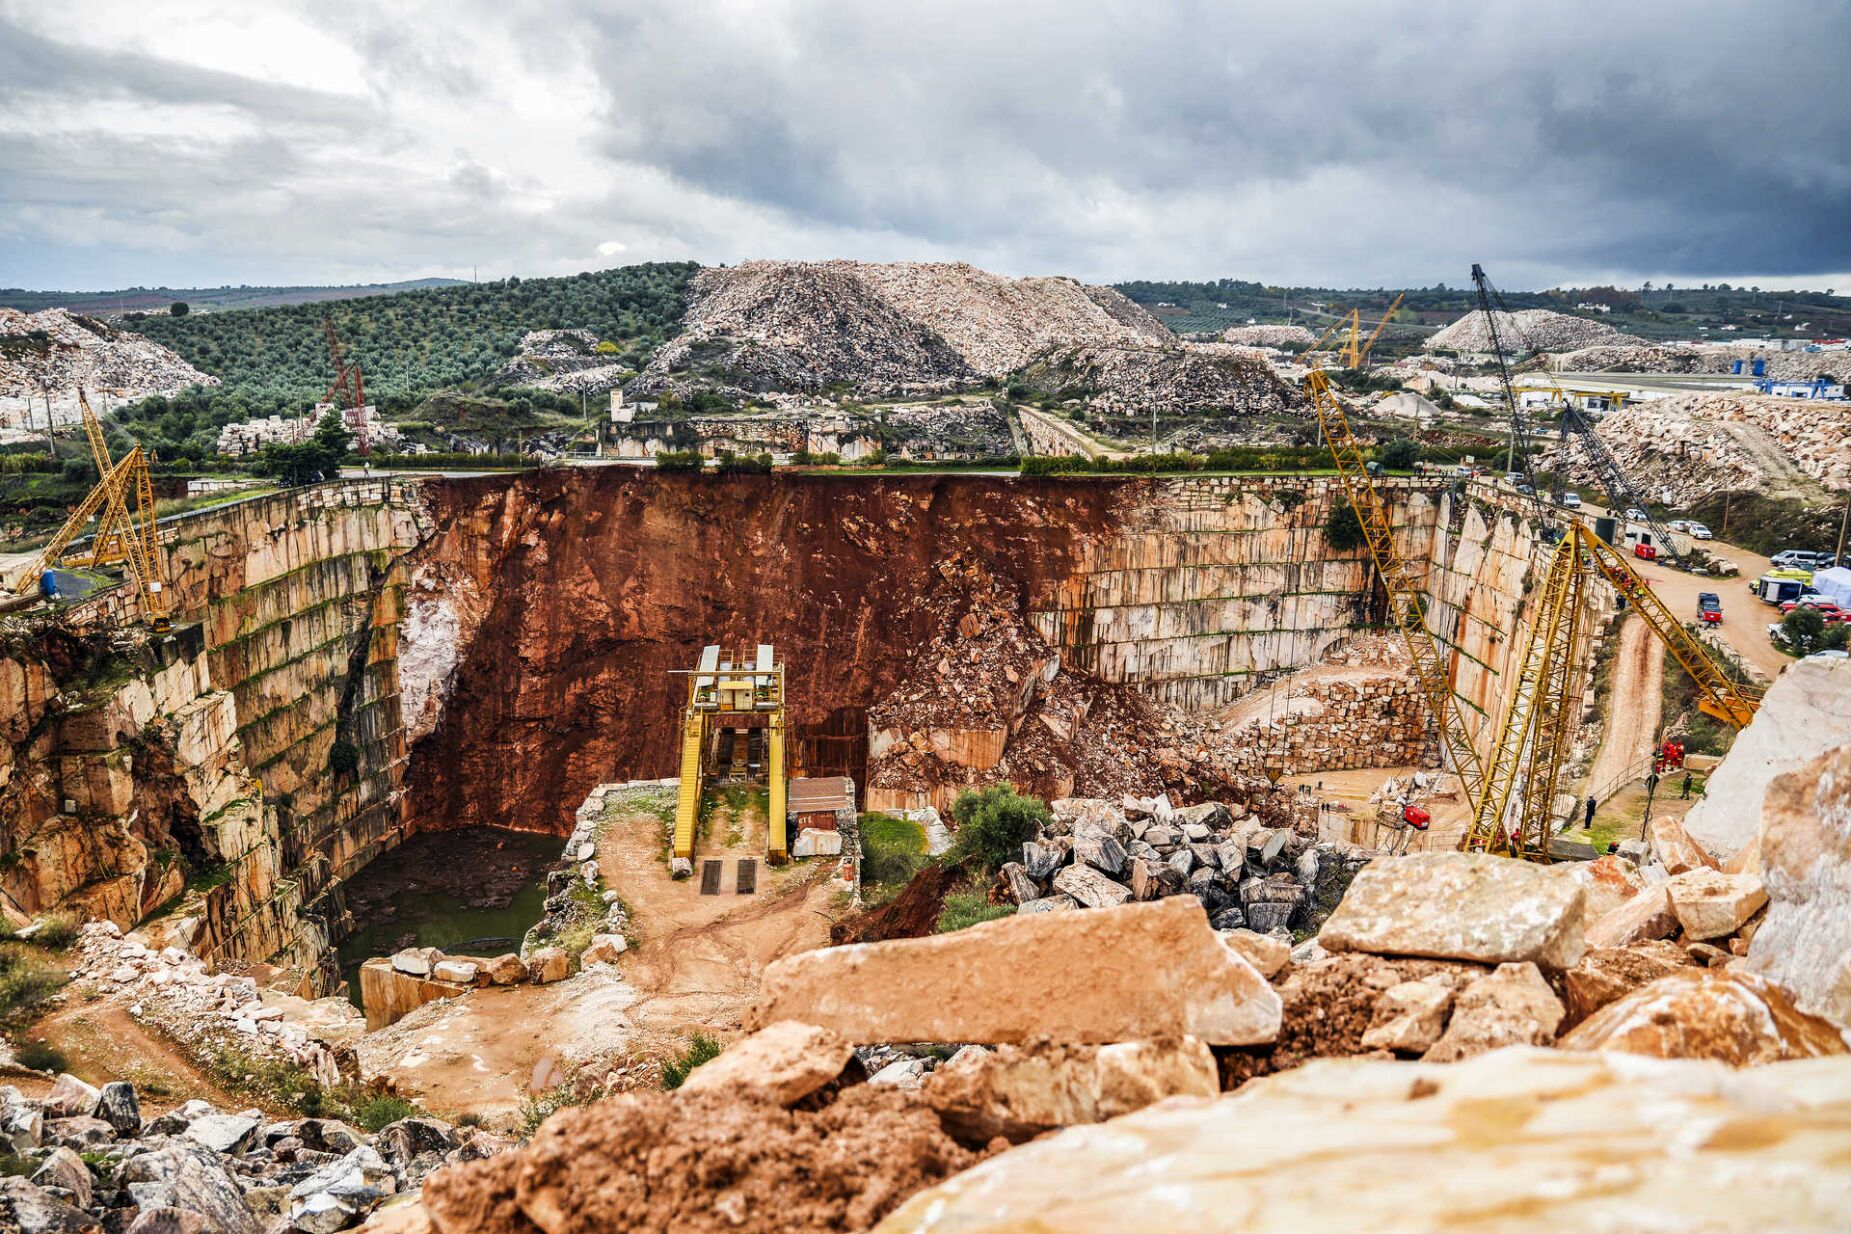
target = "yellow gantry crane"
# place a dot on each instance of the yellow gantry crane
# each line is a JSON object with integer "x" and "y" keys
{"x": 122, "y": 502}
{"x": 726, "y": 699}
{"x": 1355, "y": 353}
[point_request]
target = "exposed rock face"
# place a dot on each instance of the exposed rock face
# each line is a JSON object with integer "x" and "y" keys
{"x": 562, "y": 361}
{"x": 1726, "y": 1016}
{"x": 1397, "y": 1123}
{"x": 1674, "y": 848}
{"x": 1606, "y": 973}
{"x": 1138, "y": 971}
{"x": 1531, "y": 329}
{"x": 1269, "y": 336}
{"x": 1805, "y": 941}
{"x": 905, "y": 326}
{"x": 60, "y": 351}
{"x": 1409, "y": 1017}
{"x": 1495, "y": 911}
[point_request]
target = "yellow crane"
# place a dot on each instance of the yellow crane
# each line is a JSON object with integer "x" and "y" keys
{"x": 1355, "y": 353}
{"x": 122, "y": 502}
{"x": 1406, "y": 598}
{"x": 1516, "y": 813}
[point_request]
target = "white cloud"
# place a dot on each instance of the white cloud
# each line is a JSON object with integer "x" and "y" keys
{"x": 196, "y": 141}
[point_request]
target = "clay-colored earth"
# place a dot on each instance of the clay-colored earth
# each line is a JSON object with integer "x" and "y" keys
{"x": 695, "y": 968}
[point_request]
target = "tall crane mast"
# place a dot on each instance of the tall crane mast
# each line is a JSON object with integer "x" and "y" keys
{"x": 349, "y": 382}
{"x": 1406, "y": 599}
{"x": 1354, "y": 352}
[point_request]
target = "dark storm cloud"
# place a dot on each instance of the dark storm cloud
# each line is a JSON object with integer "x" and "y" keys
{"x": 1353, "y": 143}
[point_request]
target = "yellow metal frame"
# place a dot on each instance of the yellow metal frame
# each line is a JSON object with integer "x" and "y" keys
{"x": 1514, "y": 814}
{"x": 715, "y": 692}
{"x": 1405, "y": 598}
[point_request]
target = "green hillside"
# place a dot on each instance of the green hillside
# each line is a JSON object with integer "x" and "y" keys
{"x": 418, "y": 341}
{"x": 202, "y": 299}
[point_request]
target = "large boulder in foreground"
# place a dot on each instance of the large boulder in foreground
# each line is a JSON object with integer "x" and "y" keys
{"x": 1136, "y": 972}
{"x": 1020, "y": 1092}
{"x": 1511, "y": 1006}
{"x": 1803, "y": 717}
{"x": 1518, "y": 1140}
{"x": 1460, "y": 906}
{"x": 1725, "y": 1016}
{"x": 1804, "y": 942}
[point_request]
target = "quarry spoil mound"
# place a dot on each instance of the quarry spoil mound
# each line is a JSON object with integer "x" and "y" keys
{"x": 60, "y": 351}
{"x": 901, "y": 327}
{"x": 698, "y": 1162}
{"x": 1529, "y": 330}
{"x": 1269, "y": 336}
{"x": 1196, "y": 378}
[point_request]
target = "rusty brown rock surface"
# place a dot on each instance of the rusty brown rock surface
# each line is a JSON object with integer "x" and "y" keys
{"x": 1647, "y": 915}
{"x": 1727, "y": 1016}
{"x": 1607, "y": 973}
{"x": 1112, "y": 974}
{"x": 1510, "y": 1006}
{"x": 1022, "y": 1091}
{"x": 1805, "y": 940}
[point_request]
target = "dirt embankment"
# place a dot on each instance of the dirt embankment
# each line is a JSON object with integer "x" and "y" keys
{"x": 595, "y": 586}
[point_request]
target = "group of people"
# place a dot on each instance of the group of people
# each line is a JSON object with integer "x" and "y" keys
{"x": 1670, "y": 756}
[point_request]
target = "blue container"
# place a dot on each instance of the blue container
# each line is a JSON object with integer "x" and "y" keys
{"x": 1738, "y": 366}
{"x": 1760, "y": 367}
{"x": 48, "y": 584}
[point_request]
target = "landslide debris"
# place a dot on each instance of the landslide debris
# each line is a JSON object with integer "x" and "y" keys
{"x": 1269, "y": 336}
{"x": 902, "y": 327}
{"x": 564, "y": 361}
{"x": 700, "y": 1162}
{"x": 1529, "y": 330}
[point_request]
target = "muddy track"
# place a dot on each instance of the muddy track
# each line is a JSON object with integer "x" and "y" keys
{"x": 1634, "y": 704}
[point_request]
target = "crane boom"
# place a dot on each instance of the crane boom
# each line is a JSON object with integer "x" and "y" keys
{"x": 1406, "y": 601}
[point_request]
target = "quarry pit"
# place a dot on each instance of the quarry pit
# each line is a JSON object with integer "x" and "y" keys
{"x": 368, "y": 660}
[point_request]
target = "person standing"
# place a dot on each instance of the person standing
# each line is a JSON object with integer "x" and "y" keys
{"x": 1684, "y": 789}
{"x": 1588, "y": 825}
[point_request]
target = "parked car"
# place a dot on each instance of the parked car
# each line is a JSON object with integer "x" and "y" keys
{"x": 1679, "y": 525}
{"x": 1526, "y": 490}
{"x": 1800, "y": 559}
{"x": 1814, "y": 600}
{"x": 1635, "y": 514}
{"x": 1709, "y": 608}
{"x": 1569, "y": 501}
{"x": 1699, "y": 532}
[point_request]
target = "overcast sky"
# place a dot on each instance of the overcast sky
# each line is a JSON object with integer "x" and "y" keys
{"x": 187, "y": 142}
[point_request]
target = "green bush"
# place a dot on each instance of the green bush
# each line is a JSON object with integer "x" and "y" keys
{"x": 969, "y": 908}
{"x": 58, "y": 932}
{"x": 1399, "y": 455}
{"x": 893, "y": 849}
{"x": 994, "y": 823}
{"x": 1805, "y": 631}
{"x": 700, "y": 1049}
{"x": 42, "y": 1056}
{"x": 680, "y": 460}
{"x": 343, "y": 758}
{"x": 26, "y": 982}
{"x": 1343, "y": 529}
{"x": 731, "y": 464}
{"x": 381, "y": 1110}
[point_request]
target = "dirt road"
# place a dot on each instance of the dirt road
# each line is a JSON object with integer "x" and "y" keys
{"x": 695, "y": 967}
{"x": 1636, "y": 701}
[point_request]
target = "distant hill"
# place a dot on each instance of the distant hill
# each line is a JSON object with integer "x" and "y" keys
{"x": 201, "y": 299}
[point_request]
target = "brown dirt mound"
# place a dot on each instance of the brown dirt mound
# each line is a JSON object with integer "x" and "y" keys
{"x": 913, "y": 913}
{"x": 694, "y": 1163}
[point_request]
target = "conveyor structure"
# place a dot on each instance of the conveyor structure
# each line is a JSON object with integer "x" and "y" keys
{"x": 730, "y": 699}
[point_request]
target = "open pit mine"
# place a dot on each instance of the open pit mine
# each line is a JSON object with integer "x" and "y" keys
{"x": 658, "y": 847}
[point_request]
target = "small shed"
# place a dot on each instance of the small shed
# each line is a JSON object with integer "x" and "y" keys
{"x": 819, "y": 803}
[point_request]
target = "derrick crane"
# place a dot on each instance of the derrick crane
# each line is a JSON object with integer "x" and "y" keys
{"x": 348, "y": 381}
{"x": 1355, "y": 353}
{"x": 1515, "y": 814}
{"x": 123, "y": 501}
{"x": 1622, "y": 493}
{"x": 1406, "y": 603}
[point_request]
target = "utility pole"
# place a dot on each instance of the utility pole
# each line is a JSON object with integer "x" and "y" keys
{"x": 1838, "y": 555}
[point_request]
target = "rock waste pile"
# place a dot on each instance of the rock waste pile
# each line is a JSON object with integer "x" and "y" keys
{"x": 986, "y": 700}
{"x": 1269, "y": 336}
{"x": 1529, "y": 330}
{"x": 564, "y": 361}
{"x": 94, "y": 1161}
{"x": 1211, "y": 379}
{"x": 215, "y": 1013}
{"x": 1638, "y": 357}
{"x": 904, "y": 327}
{"x": 56, "y": 351}
{"x": 1690, "y": 447}
{"x": 1096, "y": 854}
